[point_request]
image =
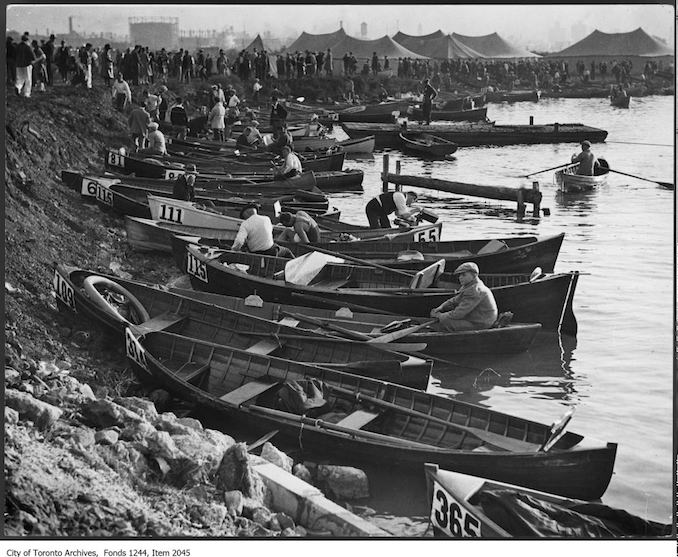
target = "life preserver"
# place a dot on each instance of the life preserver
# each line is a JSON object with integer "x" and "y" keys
{"x": 89, "y": 284}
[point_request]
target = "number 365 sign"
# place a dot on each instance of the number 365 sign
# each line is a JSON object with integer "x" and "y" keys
{"x": 450, "y": 517}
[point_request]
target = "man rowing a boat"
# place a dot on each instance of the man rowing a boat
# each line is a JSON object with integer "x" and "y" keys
{"x": 472, "y": 308}
{"x": 291, "y": 165}
{"x": 380, "y": 207}
{"x": 586, "y": 159}
{"x": 256, "y": 232}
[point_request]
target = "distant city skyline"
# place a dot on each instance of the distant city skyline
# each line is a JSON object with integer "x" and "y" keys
{"x": 538, "y": 27}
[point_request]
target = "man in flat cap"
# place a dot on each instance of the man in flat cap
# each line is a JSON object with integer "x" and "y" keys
{"x": 472, "y": 308}
{"x": 586, "y": 159}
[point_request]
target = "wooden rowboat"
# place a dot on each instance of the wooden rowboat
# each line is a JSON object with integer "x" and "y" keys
{"x": 363, "y": 145}
{"x": 353, "y": 418}
{"x": 570, "y": 182}
{"x": 465, "y": 506}
{"x": 546, "y": 300}
{"x": 470, "y": 115}
{"x": 427, "y": 145}
{"x": 166, "y": 311}
{"x": 620, "y": 101}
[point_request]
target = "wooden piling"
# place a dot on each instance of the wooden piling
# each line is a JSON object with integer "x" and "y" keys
{"x": 398, "y": 187}
{"x": 385, "y": 174}
{"x": 536, "y": 200}
{"x": 521, "y": 204}
{"x": 531, "y": 120}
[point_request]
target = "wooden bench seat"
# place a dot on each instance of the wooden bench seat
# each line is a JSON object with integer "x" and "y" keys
{"x": 191, "y": 372}
{"x": 264, "y": 347}
{"x": 331, "y": 284}
{"x": 357, "y": 419}
{"x": 246, "y": 392}
{"x": 160, "y": 322}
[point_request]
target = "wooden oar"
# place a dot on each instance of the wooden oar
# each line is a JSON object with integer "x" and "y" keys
{"x": 359, "y": 261}
{"x": 395, "y": 335}
{"x": 546, "y": 170}
{"x": 667, "y": 185}
{"x": 338, "y": 304}
{"x": 262, "y": 440}
{"x": 495, "y": 439}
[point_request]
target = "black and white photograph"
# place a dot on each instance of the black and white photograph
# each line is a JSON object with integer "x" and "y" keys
{"x": 331, "y": 272}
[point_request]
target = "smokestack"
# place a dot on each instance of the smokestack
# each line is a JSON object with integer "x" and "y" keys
{"x": 70, "y": 25}
{"x": 341, "y": 24}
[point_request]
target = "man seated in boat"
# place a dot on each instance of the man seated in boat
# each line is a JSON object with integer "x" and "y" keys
{"x": 155, "y": 140}
{"x": 281, "y": 138}
{"x": 380, "y": 207}
{"x": 278, "y": 113}
{"x": 256, "y": 234}
{"x": 184, "y": 186}
{"x": 291, "y": 165}
{"x": 301, "y": 228}
{"x": 586, "y": 159}
{"x": 250, "y": 136}
{"x": 472, "y": 308}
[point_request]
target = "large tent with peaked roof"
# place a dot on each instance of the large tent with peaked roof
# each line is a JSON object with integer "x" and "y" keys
{"x": 494, "y": 46}
{"x": 439, "y": 46}
{"x": 361, "y": 49}
{"x": 632, "y": 43}
{"x": 634, "y": 46}
{"x": 257, "y": 44}
{"x": 316, "y": 43}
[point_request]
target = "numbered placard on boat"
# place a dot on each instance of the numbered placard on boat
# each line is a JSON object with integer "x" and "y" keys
{"x": 104, "y": 195}
{"x": 63, "y": 290}
{"x": 173, "y": 173}
{"x": 135, "y": 351}
{"x": 450, "y": 516}
{"x": 89, "y": 187}
{"x": 428, "y": 235}
{"x": 115, "y": 159}
{"x": 196, "y": 267}
{"x": 171, "y": 213}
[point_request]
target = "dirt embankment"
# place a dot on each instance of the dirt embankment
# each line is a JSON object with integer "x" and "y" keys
{"x": 82, "y": 457}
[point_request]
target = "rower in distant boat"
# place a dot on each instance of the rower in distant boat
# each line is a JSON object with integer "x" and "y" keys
{"x": 291, "y": 166}
{"x": 380, "y": 207}
{"x": 472, "y": 308}
{"x": 256, "y": 233}
{"x": 301, "y": 228}
{"x": 586, "y": 159}
{"x": 250, "y": 137}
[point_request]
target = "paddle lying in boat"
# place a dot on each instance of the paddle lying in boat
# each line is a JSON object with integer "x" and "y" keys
{"x": 667, "y": 185}
{"x": 310, "y": 407}
{"x": 466, "y": 506}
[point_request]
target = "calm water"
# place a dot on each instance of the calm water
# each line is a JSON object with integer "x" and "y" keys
{"x": 618, "y": 371}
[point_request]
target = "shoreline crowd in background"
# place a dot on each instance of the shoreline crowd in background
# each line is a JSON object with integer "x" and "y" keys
{"x": 142, "y": 66}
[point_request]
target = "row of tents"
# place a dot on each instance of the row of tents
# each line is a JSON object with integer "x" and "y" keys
{"x": 440, "y": 45}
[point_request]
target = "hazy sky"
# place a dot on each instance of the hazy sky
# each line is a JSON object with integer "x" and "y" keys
{"x": 529, "y": 22}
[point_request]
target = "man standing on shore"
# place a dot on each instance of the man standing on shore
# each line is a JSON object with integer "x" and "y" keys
{"x": 138, "y": 121}
{"x": 24, "y": 67}
{"x": 49, "y": 54}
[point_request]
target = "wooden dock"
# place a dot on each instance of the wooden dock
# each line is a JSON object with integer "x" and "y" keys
{"x": 468, "y": 134}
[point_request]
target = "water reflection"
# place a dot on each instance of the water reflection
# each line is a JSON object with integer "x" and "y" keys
{"x": 543, "y": 371}
{"x": 580, "y": 203}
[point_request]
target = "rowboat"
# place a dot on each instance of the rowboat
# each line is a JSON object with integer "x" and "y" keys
{"x": 427, "y": 145}
{"x": 353, "y": 418}
{"x": 402, "y": 233}
{"x": 510, "y": 339}
{"x": 340, "y": 180}
{"x": 518, "y": 254}
{"x": 513, "y": 96}
{"x": 382, "y": 112}
{"x": 469, "y": 115}
{"x": 570, "y": 182}
{"x": 545, "y": 299}
{"x": 459, "y": 103}
{"x": 152, "y": 309}
{"x": 620, "y": 101}
{"x": 465, "y": 506}
{"x": 363, "y": 145}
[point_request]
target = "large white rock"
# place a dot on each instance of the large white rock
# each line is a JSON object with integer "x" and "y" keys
{"x": 345, "y": 482}
{"x": 277, "y": 457}
{"x": 144, "y": 408}
{"x": 42, "y": 414}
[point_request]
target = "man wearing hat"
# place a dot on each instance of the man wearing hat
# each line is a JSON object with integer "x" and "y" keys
{"x": 379, "y": 208}
{"x": 586, "y": 159}
{"x": 472, "y": 308}
{"x": 278, "y": 114}
{"x": 184, "y": 186}
{"x": 256, "y": 233}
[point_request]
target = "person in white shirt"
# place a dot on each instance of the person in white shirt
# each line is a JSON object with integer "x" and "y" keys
{"x": 156, "y": 141}
{"x": 250, "y": 137}
{"x": 215, "y": 119}
{"x": 291, "y": 166}
{"x": 121, "y": 93}
{"x": 151, "y": 103}
{"x": 256, "y": 233}
{"x": 255, "y": 90}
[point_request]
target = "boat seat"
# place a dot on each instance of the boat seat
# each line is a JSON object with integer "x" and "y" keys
{"x": 264, "y": 347}
{"x": 289, "y": 321}
{"x": 331, "y": 284}
{"x": 493, "y": 246}
{"x": 160, "y": 322}
{"x": 247, "y": 391}
{"x": 427, "y": 277}
{"x": 357, "y": 419}
{"x": 191, "y": 372}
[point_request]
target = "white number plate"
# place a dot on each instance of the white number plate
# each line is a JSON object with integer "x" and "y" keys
{"x": 89, "y": 187}
{"x": 334, "y": 116}
{"x": 104, "y": 195}
{"x": 173, "y": 174}
{"x": 430, "y": 235}
{"x": 196, "y": 267}
{"x": 115, "y": 159}
{"x": 63, "y": 290}
{"x": 171, "y": 213}
{"x": 135, "y": 351}
{"x": 451, "y": 517}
